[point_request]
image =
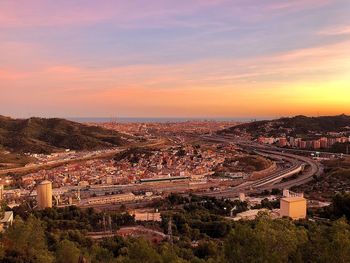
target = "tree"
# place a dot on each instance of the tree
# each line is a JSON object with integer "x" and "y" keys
{"x": 101, "y": 255}
{"x": 270, "y": 241}
{"x": 235, "y": 248}
{"x": 169, "y": 256}
{"x": 114, "y": 244}
{"x": 276, "y": 191}
{"x": 25, "y": 242}
{"x": 141, "y": 251}
{"x": 67, "y": 252}
{"x": 206, "y": 250}
{"x": 338, "y": 249}
{"x": 328, "y": 243}
{"x": 341, "y": 205}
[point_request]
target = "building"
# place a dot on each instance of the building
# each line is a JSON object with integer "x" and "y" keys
{"x": 264, "y": 140}
{"x": 344, "y": 140}
{"x": 331, "y": 142}
{"x": 250, "y": 214}
{"x": 292, "y": 142}
{"x": 282, "y": 142}
{"x": 110, "y": 199}
{"x": 109, "y": 179}
{"x": 261, "y": 140}
{"x": 83, "y": 183}
{"x": 164, "y": 179}
{"x": 316, "y": 144}
{"x": 6, "y": 221}
{"x": 309, "y": 144}
{"x": 241, "y": 197}
{"x": 293, "y": 207}
{"x": 286, "y": 193}
{"x": 324, "y": 142}
{"x": 147, "y": 216}
{"x": 297, "y": 142}
{"x": 44, "y": 194}
{"x": 303, "y": 145}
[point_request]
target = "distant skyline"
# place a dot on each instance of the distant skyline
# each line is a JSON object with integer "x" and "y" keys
{"x": 183, "y": 58}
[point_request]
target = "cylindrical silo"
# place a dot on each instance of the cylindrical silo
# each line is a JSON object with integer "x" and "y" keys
{"x": 44, "y": 194}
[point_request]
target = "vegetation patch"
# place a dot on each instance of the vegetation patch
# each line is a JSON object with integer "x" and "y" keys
{"x": 37, "y": 135}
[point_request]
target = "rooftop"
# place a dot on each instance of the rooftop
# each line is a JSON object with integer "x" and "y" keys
{"x": 8, "y": 216}
{"x": 293, "y": 199}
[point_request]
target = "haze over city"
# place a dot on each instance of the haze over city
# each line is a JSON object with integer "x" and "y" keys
{"x": 208, "y": 58}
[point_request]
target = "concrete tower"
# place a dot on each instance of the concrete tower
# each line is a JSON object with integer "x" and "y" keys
{"x": 44, "y": 194}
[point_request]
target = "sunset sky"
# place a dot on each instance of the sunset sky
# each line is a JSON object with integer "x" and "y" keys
{"x": 167, "y": 58}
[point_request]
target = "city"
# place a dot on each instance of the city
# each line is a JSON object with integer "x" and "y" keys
{"x": 188, "y": 131}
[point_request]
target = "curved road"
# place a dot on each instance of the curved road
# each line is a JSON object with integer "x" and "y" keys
{"x": 273, "y": 180}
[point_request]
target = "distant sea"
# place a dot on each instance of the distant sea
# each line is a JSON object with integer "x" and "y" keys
{"x": 159, "y": 120}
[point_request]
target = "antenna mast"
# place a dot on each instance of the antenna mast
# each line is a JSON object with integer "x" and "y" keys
{"x": 170, "y": 231}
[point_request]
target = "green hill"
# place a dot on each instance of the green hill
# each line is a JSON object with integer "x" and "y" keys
{"x": 37, "y": 135}
{"x": 298, "y": 125}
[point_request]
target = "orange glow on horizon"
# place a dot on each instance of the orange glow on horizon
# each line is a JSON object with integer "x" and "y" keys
{"x": 99, "y": 60}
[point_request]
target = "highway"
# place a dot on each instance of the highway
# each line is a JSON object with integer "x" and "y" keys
{"x": 304, "y": 167}
{"x": 295, "y": 169}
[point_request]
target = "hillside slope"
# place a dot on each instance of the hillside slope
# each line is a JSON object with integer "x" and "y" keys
{"x": 298, "y": 125}
{"x": 37, "y": 135}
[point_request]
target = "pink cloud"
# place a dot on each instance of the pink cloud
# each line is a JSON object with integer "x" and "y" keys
{"x": 63, "y": 70}
{"x": 294, "y": 5}
{"x": 11, "y": 75}
{"x": 23, "y": 13}
{"x": 333, "y": 31}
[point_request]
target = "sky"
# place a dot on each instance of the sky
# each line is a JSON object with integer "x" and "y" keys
{"x": 166, "y": 58}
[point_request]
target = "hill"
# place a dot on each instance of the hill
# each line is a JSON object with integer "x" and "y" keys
{"x": 295, "y": 126}
{"x": 38, "y": 135}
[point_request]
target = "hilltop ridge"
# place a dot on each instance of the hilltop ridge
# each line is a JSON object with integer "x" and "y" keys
{"x": 39, "y": 135}
{"x": 299, "y": 125}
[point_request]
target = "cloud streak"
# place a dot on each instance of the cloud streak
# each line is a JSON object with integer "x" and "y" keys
{"x": 334, "y": 31}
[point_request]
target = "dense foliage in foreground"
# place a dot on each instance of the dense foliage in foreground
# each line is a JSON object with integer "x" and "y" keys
{"x": 200, "y": 235}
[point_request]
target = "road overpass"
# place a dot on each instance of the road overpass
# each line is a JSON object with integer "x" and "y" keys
{"x": 275, "y": 180}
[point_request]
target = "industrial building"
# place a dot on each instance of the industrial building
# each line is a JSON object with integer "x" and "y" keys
{"x": 164, "y": 179}
{"x": 293, "y": 205}
{"x": 44, "y": 194}
{"x": 128, "y": 197}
